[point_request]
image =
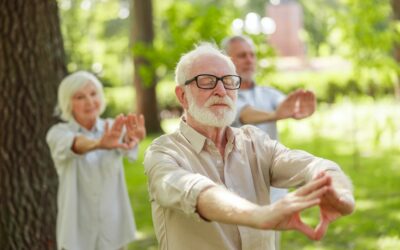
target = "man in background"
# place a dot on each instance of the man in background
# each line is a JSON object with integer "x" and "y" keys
{"x": 263, "y": 106}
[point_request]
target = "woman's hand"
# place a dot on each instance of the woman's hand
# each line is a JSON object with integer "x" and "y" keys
{"x": 111, "y": 136}
{"x": 135, "y": 130}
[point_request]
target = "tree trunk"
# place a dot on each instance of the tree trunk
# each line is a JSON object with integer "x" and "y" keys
{"x": 396, "y": 17}
{"x": 31, "y": 66}
{"x": 143, "y": 33}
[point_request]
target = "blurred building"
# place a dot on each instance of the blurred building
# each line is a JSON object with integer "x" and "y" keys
{"x": 288, "y": 17}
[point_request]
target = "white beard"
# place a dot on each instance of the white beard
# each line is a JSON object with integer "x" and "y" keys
{"x": 204, "y": 115}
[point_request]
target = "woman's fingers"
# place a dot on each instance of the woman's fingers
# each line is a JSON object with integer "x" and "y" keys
{"x": 106, "y": 126}
{"x": 141, "y": 119}
{"x": 132, "y": 143}
{"x": 118, "y": 123}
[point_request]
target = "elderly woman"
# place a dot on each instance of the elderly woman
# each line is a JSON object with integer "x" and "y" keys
{"x": 94, "y": 211}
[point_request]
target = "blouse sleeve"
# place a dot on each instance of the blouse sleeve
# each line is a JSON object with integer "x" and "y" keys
{"x": 292, "y": 168}
{"x": 60, "y": 140}
{"x": 131, "y": 154}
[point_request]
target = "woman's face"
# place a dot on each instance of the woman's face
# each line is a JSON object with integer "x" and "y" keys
{"x": 86, "y": 105}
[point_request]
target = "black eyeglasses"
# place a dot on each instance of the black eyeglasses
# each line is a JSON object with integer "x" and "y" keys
{"x": 206, "y": 81}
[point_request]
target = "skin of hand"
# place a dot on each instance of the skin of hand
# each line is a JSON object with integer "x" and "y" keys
{"x": 334, "y": 204}
{"x": 135, "y": 129}
{"x": 298, "y": 105}
{"x": 306, "y": 105}
{"x": 285, "y": 213}
{"x": 111, "y": 136}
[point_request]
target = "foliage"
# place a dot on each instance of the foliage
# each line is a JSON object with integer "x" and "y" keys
{"x": 257, "y": 6}
{"x": 319, "y": 20}
{"x": 96, "y": 38}
{"x": 180, "y": 25}
{"x": 362, "y": 31}
{"x": 329, "y": 86}
{"x": 368, "y": 37}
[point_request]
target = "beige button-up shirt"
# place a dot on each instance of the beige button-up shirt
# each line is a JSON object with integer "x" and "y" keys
{"x": 182, "y": 164}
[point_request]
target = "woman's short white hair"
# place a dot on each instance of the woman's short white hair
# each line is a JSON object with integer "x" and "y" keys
{"x": 185, "y": 63}
{"x": 69, "y": 86}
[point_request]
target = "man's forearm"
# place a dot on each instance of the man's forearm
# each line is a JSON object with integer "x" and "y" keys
{"x": 250, "y": 115}
{"x": 218, "y": 204}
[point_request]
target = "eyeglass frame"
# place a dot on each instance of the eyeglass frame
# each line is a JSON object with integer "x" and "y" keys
{"x": 216, "y": 82}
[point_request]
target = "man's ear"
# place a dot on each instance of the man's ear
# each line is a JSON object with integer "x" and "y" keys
{"x": 181, "y": 95}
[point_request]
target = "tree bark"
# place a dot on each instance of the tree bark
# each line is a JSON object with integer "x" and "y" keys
{"x": 396, "y": 17}
{"x": 31, "y": 66}
{"x": 143, "y": 33}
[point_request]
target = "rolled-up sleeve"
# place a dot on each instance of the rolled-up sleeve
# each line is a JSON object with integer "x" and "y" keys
{"x": 285, "y": 167}
{"x": 293, "y": 168}
{"x": 170, "y": 185}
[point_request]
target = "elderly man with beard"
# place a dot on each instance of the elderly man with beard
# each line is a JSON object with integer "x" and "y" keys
{"x": 209, "y": 182}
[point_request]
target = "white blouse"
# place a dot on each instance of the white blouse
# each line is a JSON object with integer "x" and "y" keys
{"x": 94, "y": 211}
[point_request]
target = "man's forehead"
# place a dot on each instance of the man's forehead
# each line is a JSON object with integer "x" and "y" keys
{"x": 240, "y": 46}
{"x": 210, "y": 64}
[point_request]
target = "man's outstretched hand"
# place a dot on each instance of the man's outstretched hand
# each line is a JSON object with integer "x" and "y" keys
{"x": 298, "y": 105}
{"x": 285, "y": 213}
{"x": 333, "y": 205}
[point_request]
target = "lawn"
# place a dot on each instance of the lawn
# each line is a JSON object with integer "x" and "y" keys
{"x": 363, "y": 138}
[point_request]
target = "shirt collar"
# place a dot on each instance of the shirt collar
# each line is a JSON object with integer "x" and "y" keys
{"x": 198, "y": 140}
{"x": 98, "y": 127}
{"x": 234, "y": 138}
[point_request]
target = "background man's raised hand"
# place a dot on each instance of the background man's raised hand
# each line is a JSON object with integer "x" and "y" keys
{"x": 298, "y": 105}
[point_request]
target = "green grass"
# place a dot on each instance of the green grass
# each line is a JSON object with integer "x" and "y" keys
{"x": 137, "y": 188}
{"x": 376, "y": 221}
{"x": 363, "y": 138}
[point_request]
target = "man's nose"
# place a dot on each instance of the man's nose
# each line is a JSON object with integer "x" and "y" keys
{"x": 249, "y": 58}
{"x": 220, "y": 88}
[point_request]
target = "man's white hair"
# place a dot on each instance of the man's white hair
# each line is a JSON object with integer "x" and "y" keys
{"x": 69, "y": 86}
{"x": 184, "y": 65}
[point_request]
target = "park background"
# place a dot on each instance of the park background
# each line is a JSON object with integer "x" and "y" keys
{"x": 346, "y": 51}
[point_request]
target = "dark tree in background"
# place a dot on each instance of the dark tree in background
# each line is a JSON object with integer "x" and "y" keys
{"x": 144, "y": 78}
{"x": 31, "y": 67}
{"x": 396, "y": 16}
